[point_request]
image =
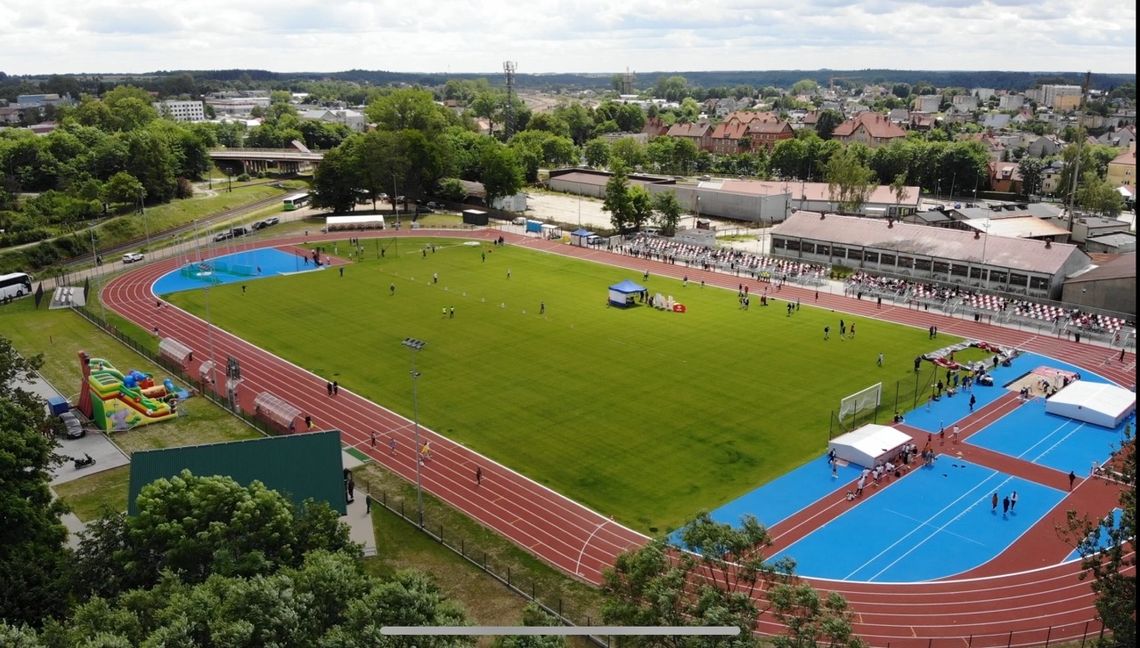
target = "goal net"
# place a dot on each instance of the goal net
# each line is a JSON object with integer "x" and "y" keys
{"x": 860, "y": 401}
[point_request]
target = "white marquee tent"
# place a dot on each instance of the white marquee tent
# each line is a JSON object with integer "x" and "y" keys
{"x": 1092, "y": 402}
{"x": 868, "y": 444}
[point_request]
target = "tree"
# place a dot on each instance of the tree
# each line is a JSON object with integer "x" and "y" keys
{"x": 597, "y": 153}
{"x": 804, "y": 87}
{"x": 826, "y": 122}
{"x": 668, "y": 212}
{"x": 195, "y": 527}
{"x": 673, "y": 88}
{"x": 1032, "y": 177}
{"x": 640, "y": 207}
{"x": 335, "y": 182}
{"x": 502, "y": 172}
{"x": 811, "y": 620}
{"x": 325, "y": 601}
{"x": 849, "y": 181}
{"x": 657, "y": 585}
{"x": 124, "y": 188}
{"x": 1107, "y": 553}
{"x": 33, "y": 558}
{"x": 901, "y": 90}
{"x": 408, "y": 108}
{"x": 533, "y": 615}
{"x": 627, "y": 152}
{"x": 1098, "y": 196}
{"x": 616, "y": 201}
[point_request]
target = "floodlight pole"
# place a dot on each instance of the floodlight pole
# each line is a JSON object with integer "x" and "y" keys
{"x": 416, "y": 345}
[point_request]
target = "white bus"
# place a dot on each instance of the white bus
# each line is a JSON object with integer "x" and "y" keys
{"x": 16, "y": 284}
{"x": 295, "y": 201}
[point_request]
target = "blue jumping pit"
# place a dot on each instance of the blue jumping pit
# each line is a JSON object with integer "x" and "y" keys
{"x": 248, "y": 265}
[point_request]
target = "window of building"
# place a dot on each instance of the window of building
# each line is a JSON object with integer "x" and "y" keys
{"x": 922, "y": 264}
{"x": 823, "y": 249}
{"x": 976, "y": 273}
{"x": 959, "y": 270}
{"x": 906, "y": 262}
{"x": 1039, "y": 283}
{"x": 792, "y": 244}
{"x": 1018, "y": 280}
{"x": 870, "y": 257}
{"x": 839, "y": 252}
{"x": 998, "y": 277}
{"x": 886, "y": 259}
{"x": 941, "y": 267}
{"x": 809, "y": 247}
{"x": 778, "y": 242}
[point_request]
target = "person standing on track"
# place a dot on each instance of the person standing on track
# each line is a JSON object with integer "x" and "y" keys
{"x": 1012, "y": 501}
{"x": 328, "y": 387}
{"x": 372, "y": 439}
{"x": 993, "y": 503}
{"x": 1005, "y": 506}
{"x": 1072, "y": 479}
{"x": 478, "y": 475}
{"x": 392, "y": 445}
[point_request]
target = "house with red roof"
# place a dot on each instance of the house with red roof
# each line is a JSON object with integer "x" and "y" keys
{"x": 870, "y": 128}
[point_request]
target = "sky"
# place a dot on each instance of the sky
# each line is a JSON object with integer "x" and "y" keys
{"x": 584, "y": 36}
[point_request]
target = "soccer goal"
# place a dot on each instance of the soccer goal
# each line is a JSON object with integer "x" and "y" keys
{"x": 861, "y": 402}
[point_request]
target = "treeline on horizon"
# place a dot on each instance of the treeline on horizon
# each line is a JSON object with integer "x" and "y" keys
{"x": 207, "y": 80}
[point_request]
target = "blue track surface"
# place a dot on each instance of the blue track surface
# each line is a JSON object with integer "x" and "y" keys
{"x": 1104, "y": 541}
{"x": 933, "y": 523}
{"x": 783, "y": 496}
{"x": 1032, "y": 434}
{"x": 271, "y": 261}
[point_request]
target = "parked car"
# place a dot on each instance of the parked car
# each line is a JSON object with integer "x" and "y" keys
{"x": 519, "y": 221}
{"x": 239, "y": 231}
{"x": 261, "y": 224}
{"x": 132, "y": 257}
{"x": 73, "y": 427}
{"x": 222, "y": 236}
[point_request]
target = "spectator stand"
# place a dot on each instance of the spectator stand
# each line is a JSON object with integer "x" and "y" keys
{"x": 278, "y": 412}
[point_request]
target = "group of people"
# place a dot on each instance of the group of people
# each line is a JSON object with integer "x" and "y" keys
{"x": 1008, "y": 503}
{"x": 724, "y": 259}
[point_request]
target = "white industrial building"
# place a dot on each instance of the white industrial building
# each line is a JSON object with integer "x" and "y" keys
{"x": 181, "y": 111}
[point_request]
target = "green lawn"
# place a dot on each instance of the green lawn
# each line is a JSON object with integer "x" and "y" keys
{"x": 92, "y": 496}
{"x": 641, "y": 414}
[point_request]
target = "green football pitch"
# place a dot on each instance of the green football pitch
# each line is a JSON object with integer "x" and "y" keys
{"x": 645, "y": 415}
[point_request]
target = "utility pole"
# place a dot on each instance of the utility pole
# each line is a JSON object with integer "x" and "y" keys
{"x": 509, "y": 68}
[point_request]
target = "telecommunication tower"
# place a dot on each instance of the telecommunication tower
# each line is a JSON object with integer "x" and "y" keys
{"x": 509, "y": 112}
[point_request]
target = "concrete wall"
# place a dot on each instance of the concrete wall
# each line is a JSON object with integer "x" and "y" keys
{"x": 1109, "y": 294}
{"x": 722, "y": 204}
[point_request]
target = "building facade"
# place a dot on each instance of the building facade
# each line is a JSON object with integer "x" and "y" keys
{"x": 181, "y": 111}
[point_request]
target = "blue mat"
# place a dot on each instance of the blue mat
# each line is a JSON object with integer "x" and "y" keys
{"x": 1032, "y": 434}
{"x": 270, "y": 261}
{"x": 1103, "y": 540}
{"x": 933, "y": 523}
{"x": 784, "y": 496}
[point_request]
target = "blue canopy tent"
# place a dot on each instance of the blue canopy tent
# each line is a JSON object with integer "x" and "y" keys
{"x": 622, "y": 294}
{"x": 578, "y": 237}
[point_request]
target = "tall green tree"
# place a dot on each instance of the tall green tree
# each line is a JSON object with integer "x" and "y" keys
{"x": 617, "y": 202}
{"x": 408, "y": 108}
{"x": 826, "y": 122}
{"x": 336, "y": 180}
{"x": 668, "y": 212}
{"x": 1032, "y": 177}
{"x": 811, "y": 619}
{"x": 34, "y": 562}
{"x": 627, "y": 152}
{"x": 326, "y": 600}
{"x": 196, "y": 526}
{"x": 597, "y": 153}
{"x": 849, "y": 181}
{"x": 502, "y": 172}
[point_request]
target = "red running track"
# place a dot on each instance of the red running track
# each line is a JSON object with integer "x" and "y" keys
{"x": 1021, "y": 608}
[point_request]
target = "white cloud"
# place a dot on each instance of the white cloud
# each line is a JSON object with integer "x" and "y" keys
{"x": 561, "y": 36}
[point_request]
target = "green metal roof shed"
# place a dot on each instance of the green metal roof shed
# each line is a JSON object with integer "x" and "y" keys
{"x": 300, "y": 466}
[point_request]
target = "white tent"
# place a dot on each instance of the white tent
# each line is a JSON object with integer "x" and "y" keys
{"x": 868, "y": 444}
{"x": 370, "y": 221}
{"x": 1098, "y": 403}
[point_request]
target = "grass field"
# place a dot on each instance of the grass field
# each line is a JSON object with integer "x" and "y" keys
{"x": 641, "y": 414}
